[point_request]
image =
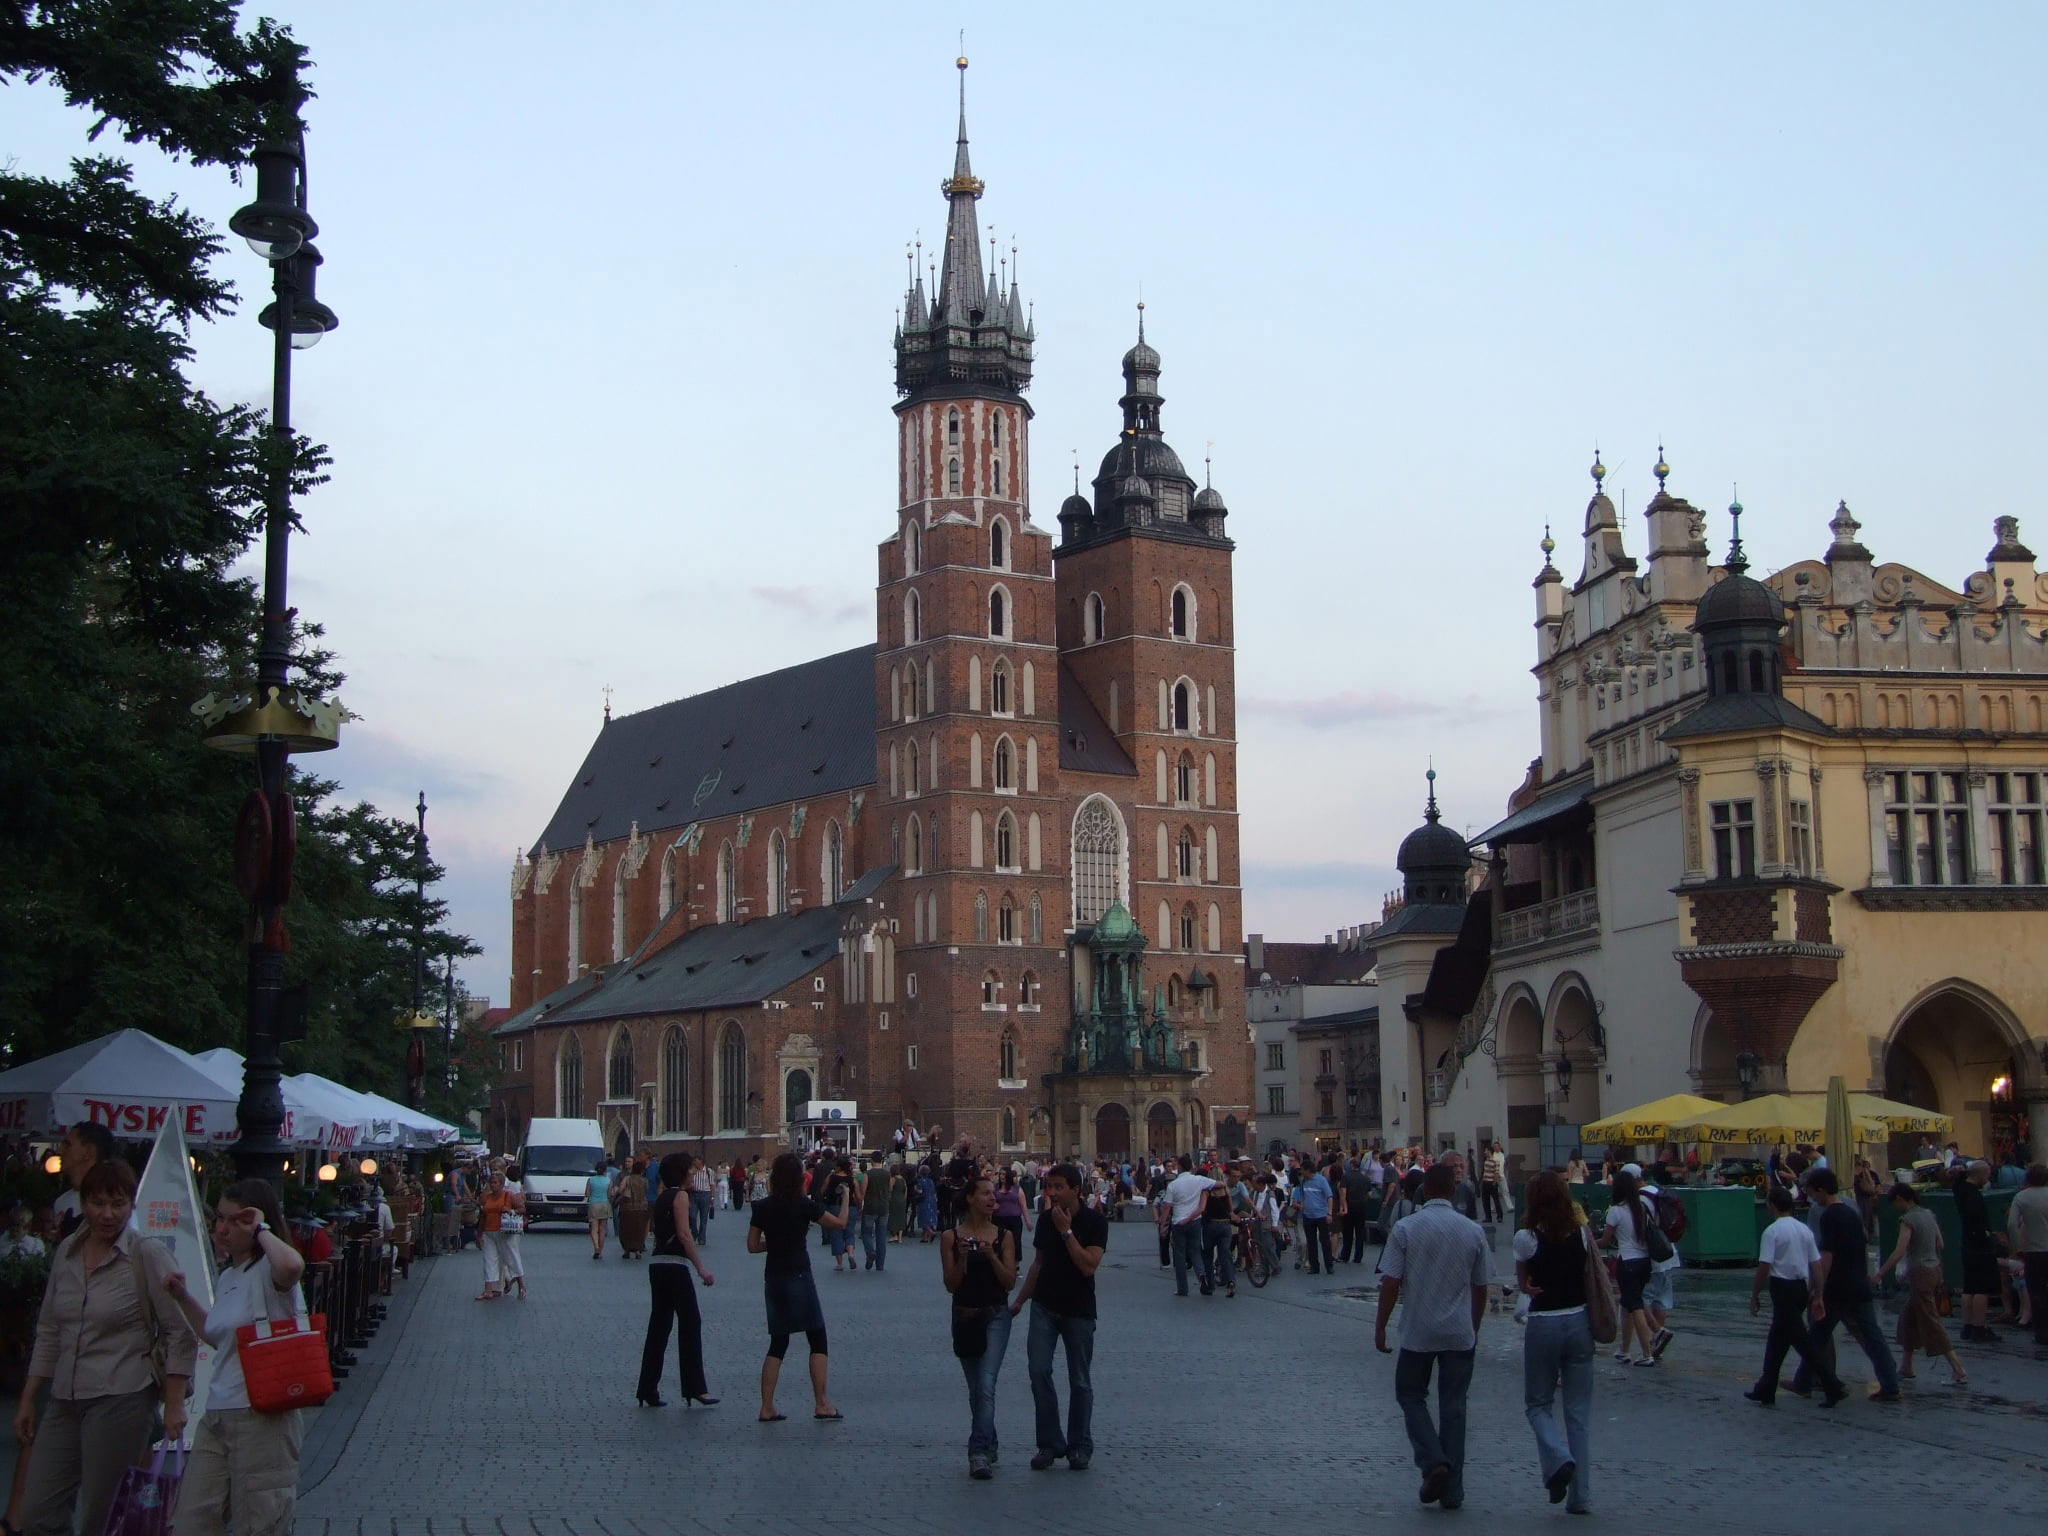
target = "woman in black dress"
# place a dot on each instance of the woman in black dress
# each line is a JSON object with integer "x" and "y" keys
{"x": 781, "y": 1221}
{"x": 668, "y": 1285}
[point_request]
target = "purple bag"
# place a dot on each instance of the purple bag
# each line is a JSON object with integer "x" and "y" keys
{"x": 146, "y": 1496}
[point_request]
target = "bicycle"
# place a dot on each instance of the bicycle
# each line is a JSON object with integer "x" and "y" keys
{"x": 1252, "y": 1260}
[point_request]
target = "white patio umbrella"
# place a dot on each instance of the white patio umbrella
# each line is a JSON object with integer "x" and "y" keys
{"x": 304, "y": 1125}
{"x": 416, "y": 1127}
{"x": 355, "y": 1123}
{"x": 129, "y": 1081}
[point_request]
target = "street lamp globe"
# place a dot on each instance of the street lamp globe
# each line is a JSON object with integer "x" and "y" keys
{"x": 329, "y": 1173}
{"x": 275, "y": 225}
{"x": 311, "y": 319}
{"x": 367, "y": 1167}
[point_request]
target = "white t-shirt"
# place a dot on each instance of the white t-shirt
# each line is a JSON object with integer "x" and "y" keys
{"x": 242, "y": 1295}
{"x": 1650, "y": 1193}
{"x": 1787, "y": 1245}
{"x": 1622, "y": 1222}
{"x": 1185, "y": 1193}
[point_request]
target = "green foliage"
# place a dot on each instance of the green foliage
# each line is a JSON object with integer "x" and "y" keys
{"x": 126, "y": 497}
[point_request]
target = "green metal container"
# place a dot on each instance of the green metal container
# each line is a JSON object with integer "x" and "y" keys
{"x": 1997, "y": 1203}
{"x": 1721, "y": 1225}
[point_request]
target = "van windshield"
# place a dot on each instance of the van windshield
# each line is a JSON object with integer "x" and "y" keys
{"x": 560, "y": 1162}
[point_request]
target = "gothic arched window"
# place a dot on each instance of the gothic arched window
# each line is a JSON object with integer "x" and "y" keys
{"x": 1184, "y": 780}
{"x": 952, "y": 477}
{"x": 991, "y": 989}
{"x": 1005, "y": 764}
{"x": 999, "y": 688}
{"x": 998, "y": 538}
{"x": 1097, "y": 622}
{"x": 732, "y": 1077}
{"x": 728, "y": 885}
{"x": 1098, "y": 858}
{"x": 675, "y": 1082}
{"x": 913, "y": 847}
{"x": 1007, "y": 1055}
{"x": 952, "y": 429}
{"x": 1183, "y": 707}
{"x": 1183, "y": 616}
{"x": 1184, "y": 862}
{"x": 1009, "y": 1126}
{"x": 778, "y": 871}
{"x": 913, "y": 617}
{"x": 1006, "y": 841}
{"x": 832, "y": 863}
{"x": 575, "y": 927}
{"x": 1006, "y": 921}
{"x": 995, "y": 482}
{"x": 618, "y": 1072}
{"x": 998, "y": 613}
{"x": 569, "y": 1080}
{"x": 1187, "y": 928}
{"x": 1027, "y": 990}
{"x": 668, "y": 878}
{"x": 981, "y": 917}
{"x": 619, "y": 912}
{"x": 913, "y": 548}
{"x": 1037, "y": 919}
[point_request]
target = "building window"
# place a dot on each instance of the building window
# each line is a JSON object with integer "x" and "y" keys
{"x": 1027, "y": 992}
{"x": 913, "y": 617}
{"x": 910, "y": 767}
{"x": 999, "y": 532}
{"x": 1008, "y": 1052}
{"x": 995, "y": 429}
{"x": 913, "y": 848}
{"x": 991, "y": 990}
{"x": 1009, "y": 1126}
{"x": 910, "y": 1057}
{"x": 1098, "y": 859}
{"x": 1276, "y": 1056}
{"x": 1276, "y": 1100}
{"x": 981, "y": 917}
{"x": 569, "y": 1081}
{"x": 619, "y": 913}
{"x": 728, "y": 885}
{"x": 1183, "y": 707}
{"x": 995, "y": 483}
{"x": 675, "y": 1082}
{"x": 1734, "y": 839}
{"x": 1799, "y": 836}
{"x": 1037, "y": 919}
{"x": 913, "y": 548}
{"x": 1191, "y": 1053}
{"x": 575, "y": 927}
{"x": 952, "y": 429}
{"x": 1094, "y": 624}
{"x": 1187, "y": 928}
{"x": 1328, "y": 1105}
{"x": 778, "y": 869}
{"x": 2016, "y": 827}
{"x": 1006, "y": 922}
{"x": 1184, "y": 780}
{"x": 998, "y": 613}
{"x": 732, "y": 1078}
{"x": 1006, "y": 841}
{"x": 668, "y": 879}
{"x": 832, "y": 864}
{"x": 1183, "y": 621}
{"x": 1927, "y": 827}
{"x": 999, "y": 688}
{"x": 1005, "y": 768}
{"x": 1323, "y": 1067}
{"x": 1185, "y": 863}
{"x": 618, "y": 1072}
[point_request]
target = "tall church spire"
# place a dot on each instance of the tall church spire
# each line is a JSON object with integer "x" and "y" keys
{"x": 973, "y": 338}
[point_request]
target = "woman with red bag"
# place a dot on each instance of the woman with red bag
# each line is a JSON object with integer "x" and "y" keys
{"x": 245, "y": 1464}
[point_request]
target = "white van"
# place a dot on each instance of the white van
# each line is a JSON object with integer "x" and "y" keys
{"x": 555, "y": 1166}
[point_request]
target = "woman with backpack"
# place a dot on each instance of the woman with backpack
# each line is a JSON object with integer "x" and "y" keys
{"x": 1639, "y": 1243}
{"x": 1551, "y": 1249}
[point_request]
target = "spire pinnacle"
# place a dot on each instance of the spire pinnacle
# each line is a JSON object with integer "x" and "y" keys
{"x": 1141, "y": 319}
{"x": 1737, "y": 561}
{"x": 1430, "y": 813}
{"x": 1599, "y": 470}
{"x": 1661, "y": 469}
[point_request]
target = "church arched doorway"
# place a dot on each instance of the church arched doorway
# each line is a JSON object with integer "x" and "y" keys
{"x": 1162, "y": 1130}
{"x": 796, "y": 1093}
{"x": 1112, "y": 1132}
{"x": 1952, "y": 1051}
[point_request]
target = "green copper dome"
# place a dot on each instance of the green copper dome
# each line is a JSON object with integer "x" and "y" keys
{"x": 1116, "y": 923}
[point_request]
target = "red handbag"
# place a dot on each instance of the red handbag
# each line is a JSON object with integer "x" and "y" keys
{"x": 284, "y": 1364}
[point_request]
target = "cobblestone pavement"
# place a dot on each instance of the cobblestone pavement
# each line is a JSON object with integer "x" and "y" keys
{"x": 511, "y": 1418}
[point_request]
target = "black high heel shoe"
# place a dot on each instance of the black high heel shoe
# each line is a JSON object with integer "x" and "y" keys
{"x": 651, "y": 1400}
{"x": 691, "y": 1402}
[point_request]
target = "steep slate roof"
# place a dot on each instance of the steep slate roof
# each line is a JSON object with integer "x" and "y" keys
{"x": 1745, "y": 712}
{"x": 1087, "y": 745}
{"x": 1315, "y": 965}
{"x": 721, "y": 965}
{"x": 1351, "y": 1018}
{"x": 803, "y": 731}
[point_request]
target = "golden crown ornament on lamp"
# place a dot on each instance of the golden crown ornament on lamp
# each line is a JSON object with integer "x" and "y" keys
{"x": 302, "y": 723}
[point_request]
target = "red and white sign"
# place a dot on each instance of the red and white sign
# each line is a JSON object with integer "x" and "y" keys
{"x": 130, "y": 1082}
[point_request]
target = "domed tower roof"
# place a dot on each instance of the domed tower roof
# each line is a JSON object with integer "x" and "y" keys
{"x": 1433, "y": 860}
{"x": 1141, "y": 358}
{"x": 1209, "y": 499}
{"x": 1739, "y": 620}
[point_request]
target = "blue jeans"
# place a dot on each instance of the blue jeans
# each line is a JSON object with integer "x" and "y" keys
{"x": 700, "y": 1214}
{"x": 981, "y": 1385}
{"x": 1217, "y": 1236}
{"x": 1557, "y": 1350}
{"x": 1187, "y": 1255}
{"x": 840, "y": 1241}
{"x": 1861, "y": 1319}
{"x": 1078, "y": 1335}
{"x": 874, "y": 1235}
{"x": 1440, "y": 1442}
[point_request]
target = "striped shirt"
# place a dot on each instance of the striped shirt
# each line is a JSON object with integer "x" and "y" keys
{"x": 1438, "y": 1255}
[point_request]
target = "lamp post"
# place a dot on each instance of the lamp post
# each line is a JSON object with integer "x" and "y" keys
{"x": 1749, "y": 1068}
{"x": 275, "y": 720}
{"x": 420, "y": 1019}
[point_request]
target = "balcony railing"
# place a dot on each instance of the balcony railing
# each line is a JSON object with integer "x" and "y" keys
{"x": 1576, "y": 913}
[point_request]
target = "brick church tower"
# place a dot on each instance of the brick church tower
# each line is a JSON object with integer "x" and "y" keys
{"x": 967, "y": 704}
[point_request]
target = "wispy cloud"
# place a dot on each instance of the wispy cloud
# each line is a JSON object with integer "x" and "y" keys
{"x": 817, "y": 604}
{"x": 1348, "y": 707}
{"x": 1319, "y": 876}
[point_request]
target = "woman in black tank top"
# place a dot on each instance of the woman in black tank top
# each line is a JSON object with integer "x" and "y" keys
{"x": 980, "y": 1266}
{"x": 1557, "y": 1346}
{"x": 673, "y": 1297}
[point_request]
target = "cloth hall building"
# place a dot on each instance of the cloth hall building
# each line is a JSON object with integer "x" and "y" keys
{"x": 981, "y": 874}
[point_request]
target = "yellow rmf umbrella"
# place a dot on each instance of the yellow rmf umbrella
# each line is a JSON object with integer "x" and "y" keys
{"x": 1894, "y": 1116}
{"x": 1774, "y": 1117}
{"x": 1648, "y": 1123}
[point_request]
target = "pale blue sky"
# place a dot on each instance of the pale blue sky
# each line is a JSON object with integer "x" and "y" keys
{"x": 610, "y": 401}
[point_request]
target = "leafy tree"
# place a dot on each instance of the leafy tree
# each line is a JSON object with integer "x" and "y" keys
{"x": 126, "y": 496}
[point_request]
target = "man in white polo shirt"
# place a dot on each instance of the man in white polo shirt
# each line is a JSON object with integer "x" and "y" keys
{"x": 1184, "y": 1198}
{"x": 1789, "y": 1260}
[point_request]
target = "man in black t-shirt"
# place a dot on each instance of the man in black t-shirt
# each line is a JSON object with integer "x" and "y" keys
{"x": 1061, "y": 1289}
{"x": 1358, "y": 1193}
{"x": 1845, "y": 1289}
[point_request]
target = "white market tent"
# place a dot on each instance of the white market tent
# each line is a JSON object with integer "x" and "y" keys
{"x": 416, "y": 1128}
{"x": 354, "y": 1123}
{"x": 304, "y": 1125}
{"x": 129, "y": 1081}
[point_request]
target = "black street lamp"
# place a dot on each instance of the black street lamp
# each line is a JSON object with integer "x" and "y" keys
{"x": 1749, "y": 1071}
{"x": 419, "y": 1019}
{"x": 275, "y": 720}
